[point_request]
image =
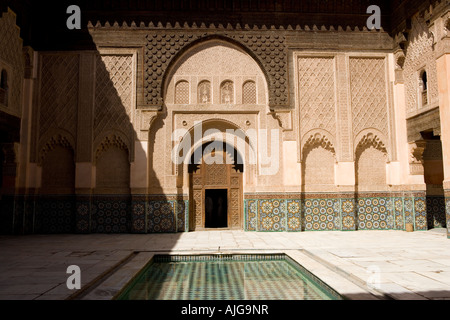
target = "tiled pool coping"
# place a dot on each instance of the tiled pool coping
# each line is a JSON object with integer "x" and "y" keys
{"x": 113, "y": 286}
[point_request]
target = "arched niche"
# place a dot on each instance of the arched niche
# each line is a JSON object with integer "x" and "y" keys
{"x": 58, "y": 171}
{"x": 112, "y": 166}
{"x": 318, "y": 161}
{"x": 371, "y": 157}
{"x": 218, "y": 62}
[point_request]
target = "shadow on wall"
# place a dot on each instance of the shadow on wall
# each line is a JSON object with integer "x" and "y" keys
{"x": 98, "y": 150}
{"x": 166, "y": 213}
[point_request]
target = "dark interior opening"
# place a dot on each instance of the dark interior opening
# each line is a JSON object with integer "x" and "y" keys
{"x": 2, "y": 160}
{"x": 434, "y": 176}
{"x": 216, "y": 208}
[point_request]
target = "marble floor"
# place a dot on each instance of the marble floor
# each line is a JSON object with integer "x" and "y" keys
{"x": 362, "y": 265}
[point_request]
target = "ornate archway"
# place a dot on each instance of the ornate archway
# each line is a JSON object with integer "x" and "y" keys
{"x": 216, "y": 190}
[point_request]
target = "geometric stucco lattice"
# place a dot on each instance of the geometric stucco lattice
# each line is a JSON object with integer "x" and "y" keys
{"x": 113, "y": 94}
{"x": 317, "y": 94}
{"x": 249, "y": 93}
{"x": 182, "y": 92}
{"x": 368, "y": 93}
{"x": 59, "y": 93}
{"x": 420, "y": 56}
{"x": 269, "y": 50}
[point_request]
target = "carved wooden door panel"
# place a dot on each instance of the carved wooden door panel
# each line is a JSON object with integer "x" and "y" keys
{"x": 216, "y": 176}
{"x": 196, "y": 220}
{"x": 235, "y": 201}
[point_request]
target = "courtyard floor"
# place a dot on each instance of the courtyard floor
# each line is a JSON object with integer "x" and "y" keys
{"x": 361, "y": 265}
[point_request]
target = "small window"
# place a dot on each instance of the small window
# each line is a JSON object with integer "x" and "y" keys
{"x": 227, "y": 92}
{"x": 424, "y": 88}
{"x": 204, "y": 92}
{"x": 182, "y": 92}
{"x": 4, "y": 87}
{"x": 249, "y": 92}
{"x": 424, "y": 81}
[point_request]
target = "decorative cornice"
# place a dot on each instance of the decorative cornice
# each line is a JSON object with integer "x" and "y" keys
{"x": 158, "y": 25}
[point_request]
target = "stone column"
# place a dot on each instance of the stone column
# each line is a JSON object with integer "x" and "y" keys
{"x": 345, "y": 174}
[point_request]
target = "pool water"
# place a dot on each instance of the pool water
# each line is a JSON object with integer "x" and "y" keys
{"x": 226, "y": 278}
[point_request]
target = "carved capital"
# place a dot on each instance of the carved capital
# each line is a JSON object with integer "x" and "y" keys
{"x": 148, "y": 117}
{"x": 401, "y": 40}
{"x": 399, "y": 55}
{"x": 284, "y": 119}
{"x": 416, "y": 150}
{"x": 447, "y": 26}
{"x": 28, "y": 61}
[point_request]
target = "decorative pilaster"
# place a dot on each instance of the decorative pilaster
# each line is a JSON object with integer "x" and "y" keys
{"x": 344, "y": 111}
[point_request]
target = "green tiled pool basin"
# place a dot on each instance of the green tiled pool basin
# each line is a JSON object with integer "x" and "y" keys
{"x": 226, "y": 277}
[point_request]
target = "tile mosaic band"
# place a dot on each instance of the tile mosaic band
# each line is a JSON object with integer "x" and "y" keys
{"x": 346, "y": 212}
{"x": 294, "y": 212}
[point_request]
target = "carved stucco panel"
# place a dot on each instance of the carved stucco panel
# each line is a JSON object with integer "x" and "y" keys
{"x": 114, "y": 93}
{"x": 420, "y": 55}
{"x": 316, "y": 78}
{"x": 11, "y": 55}
{"x": 59, "y": 93}
{"x": 369, "y": 94}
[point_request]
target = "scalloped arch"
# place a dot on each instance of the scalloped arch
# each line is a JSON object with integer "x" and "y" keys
{"x": 111, "y": 138}
{"x": 318, "y": 137}
{"x": 371, "y": 137}
{"x": 53, "y": 138}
